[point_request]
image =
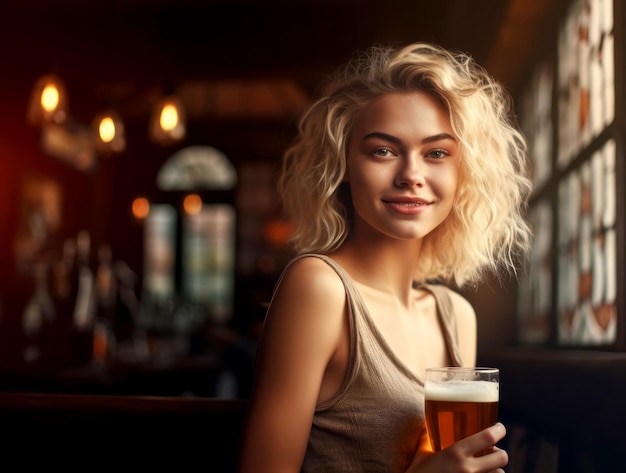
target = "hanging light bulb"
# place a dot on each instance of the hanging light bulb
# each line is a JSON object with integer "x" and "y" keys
{"x": 167, "y": 124}
{"x": 48, "y": 101}
{"x": 108, "y": 130}
{"x": 169, "y": 120}
{"x": 50, "y": 98}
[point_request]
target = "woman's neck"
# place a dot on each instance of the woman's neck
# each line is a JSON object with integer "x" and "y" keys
{"x": 389, "y": 267}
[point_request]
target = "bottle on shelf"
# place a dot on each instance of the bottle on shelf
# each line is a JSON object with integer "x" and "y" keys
{"x": 38, "y": 319}
{"x": 105, "y": 315}
{"x": 84, "y": 303}
{"x": 62, "y": 288}
{"x": 132, "y": 342}
{"x": 63, "y": 291}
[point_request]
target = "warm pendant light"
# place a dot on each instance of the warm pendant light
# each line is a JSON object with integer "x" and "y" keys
{"x": 108, "y": 131}
{"x": 48, "y": 101}
{"x": 167, "y": 124}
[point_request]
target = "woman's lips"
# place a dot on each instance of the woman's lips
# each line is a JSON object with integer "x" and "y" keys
{"x": 407, "y": 206}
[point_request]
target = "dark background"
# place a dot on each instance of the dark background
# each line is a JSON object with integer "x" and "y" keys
{"x": 244, "y": 70}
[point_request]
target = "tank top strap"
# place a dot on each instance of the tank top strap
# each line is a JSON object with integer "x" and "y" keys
{"x": 355, "y": 305}
{"x": 448, "y": 321}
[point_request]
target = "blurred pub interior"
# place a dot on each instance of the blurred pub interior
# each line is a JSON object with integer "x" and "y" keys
{"x": 136, "y": 265}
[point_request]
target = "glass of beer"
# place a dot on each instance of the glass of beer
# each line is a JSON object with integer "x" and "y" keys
{"x": 459, "y": 402}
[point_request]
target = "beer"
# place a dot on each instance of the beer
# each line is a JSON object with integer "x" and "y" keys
{"x": 456, "y": 409}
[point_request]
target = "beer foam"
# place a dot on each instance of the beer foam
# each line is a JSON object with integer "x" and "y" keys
{"x": 458, "y": 391}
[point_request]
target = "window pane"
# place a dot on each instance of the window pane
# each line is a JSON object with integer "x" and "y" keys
{"x": 209, "y": 259}
{"x": 587, "y": 313}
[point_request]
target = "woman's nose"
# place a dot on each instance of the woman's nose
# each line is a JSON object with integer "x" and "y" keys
{"x": 411, "y": 174}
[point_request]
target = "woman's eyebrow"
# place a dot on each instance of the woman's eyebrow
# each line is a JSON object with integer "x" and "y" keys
{"x": 396, "y": 140}
{"x": 384, "y": 136}
{"x": 438, "y": 137}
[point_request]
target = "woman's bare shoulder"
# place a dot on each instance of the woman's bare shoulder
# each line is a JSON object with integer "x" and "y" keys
{"x": 310, "y": 276}
{"x": 310, "y": 292}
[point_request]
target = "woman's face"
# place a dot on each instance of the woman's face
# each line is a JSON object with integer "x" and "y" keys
{"x": 402, "y": 165}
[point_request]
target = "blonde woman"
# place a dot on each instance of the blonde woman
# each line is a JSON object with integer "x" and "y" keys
{"x": 407, "y": 179}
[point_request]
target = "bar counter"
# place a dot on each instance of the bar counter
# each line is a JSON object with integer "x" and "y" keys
{"x": 95, "y": 432}
{"x": 566, "y": 404}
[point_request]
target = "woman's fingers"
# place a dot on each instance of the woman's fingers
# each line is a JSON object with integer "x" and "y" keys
{"x": 484, "y": 440}
{"x": 477, "y": 454}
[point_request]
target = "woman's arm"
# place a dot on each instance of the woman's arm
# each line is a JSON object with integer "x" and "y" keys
{"x": 302, "y": 331}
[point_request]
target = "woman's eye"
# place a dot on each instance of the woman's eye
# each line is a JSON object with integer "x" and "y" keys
{"x": 383, "y": 152}
{"x": 437, "y": 154}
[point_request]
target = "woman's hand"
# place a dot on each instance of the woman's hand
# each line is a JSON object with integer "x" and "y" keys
{"x": 461, "y": 457}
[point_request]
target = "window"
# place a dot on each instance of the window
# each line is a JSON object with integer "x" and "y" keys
{"x": 568, "y": 293}
{"x": 189, "y": 263}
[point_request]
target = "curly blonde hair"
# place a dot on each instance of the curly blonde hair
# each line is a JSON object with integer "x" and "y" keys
{"x": 487, "y": 227}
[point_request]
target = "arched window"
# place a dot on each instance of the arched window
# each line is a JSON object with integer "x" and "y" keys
{"x": 190, "y": 247}
{"x": 196, "y": 168}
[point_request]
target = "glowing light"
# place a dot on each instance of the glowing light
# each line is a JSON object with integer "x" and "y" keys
{"x": 106, "y": 129}
{"x": 48, "y": 101}
{"x": 50, "y": 97}
{"x": 169, "y": 117}
{"x": 167, "y": 123}
{"x": 278, "y": 232}
{"x": 141, "y": 208}
{"x": 192, "y": 204}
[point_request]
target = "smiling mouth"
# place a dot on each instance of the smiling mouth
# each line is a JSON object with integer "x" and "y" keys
{"x": 407, "y": 208}
{"x": 410, "y": 204}
{"x": 419, "y": 203}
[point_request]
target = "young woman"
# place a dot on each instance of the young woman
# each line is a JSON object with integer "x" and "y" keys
{"x": 407, "y": 178}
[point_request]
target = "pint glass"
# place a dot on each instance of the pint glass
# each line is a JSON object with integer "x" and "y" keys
{"x": 459, "y": 402}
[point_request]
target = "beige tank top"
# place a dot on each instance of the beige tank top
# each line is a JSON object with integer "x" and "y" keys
{"x": 375, "y": 421}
